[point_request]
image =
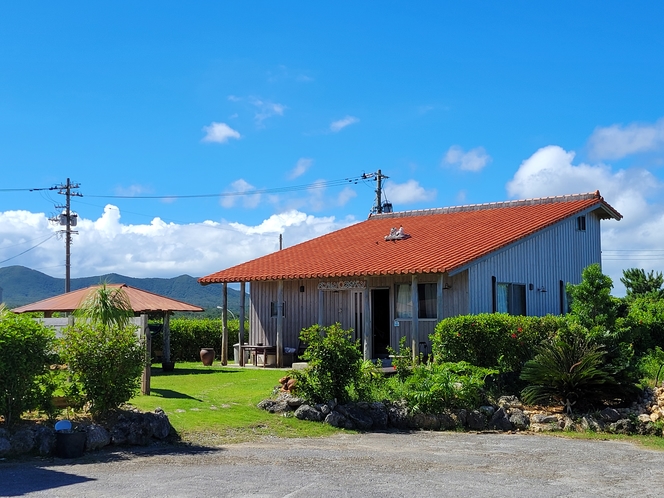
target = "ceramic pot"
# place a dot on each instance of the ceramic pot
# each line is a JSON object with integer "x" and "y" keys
{"x": 167, "y": 366}
{"x": 70, "y": 444}
{"x": 207, "y": 356}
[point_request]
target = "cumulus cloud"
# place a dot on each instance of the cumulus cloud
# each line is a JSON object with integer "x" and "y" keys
{"x": 238, "y": 191}
{"x": 627, "y": 243}
{"x": 301, "y": 167}
{"x": 156, "y": 249}
{"x": 408, "y": 193}
{"x": 473, "y": 160}
{"x": 617, "y": 141}
{"x": 337, "y": 126}
{"x": 219, "y": 133}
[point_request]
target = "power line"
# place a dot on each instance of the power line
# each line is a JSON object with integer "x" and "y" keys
{"x": 29, "y": 249}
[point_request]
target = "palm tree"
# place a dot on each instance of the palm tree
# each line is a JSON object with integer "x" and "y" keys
{"x": 106, "y": 306}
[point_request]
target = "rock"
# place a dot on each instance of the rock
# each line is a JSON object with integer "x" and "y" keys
{"x": 543, "y": 418}
{"x": 537, "y": 427}
{"x": 22, "y": 441}
{"x": 426, "y": 421}
{"x": 590, "y": 424}
{"x": 609, "y": 415}
{"x": 565, "y": 423}
{"x": 97, "y": 437}
{"x": 324, "y": 408}
{"x": 644, "y": 419}
{"x": 460, "y": 417}
{"x": 623, "y": 426}
{"x": 500, "y": 421}
{"x": 398, "y": 416}
{"x": 508, "y": 402}
{"x": 518, "y": 419}
{"x": 294, "y": 402}
{"x": 336, "y": 419}
{"x": 487, "y": 410}
{"x": 476, "y": 420}
{"x": 44, "y": 440}
{"x": 159, "y": 423}
{"x": 306, "y": 412}
{"x": 447, "y": 421}
{"x": 360, "y": 418}
{"x": 267, "y": 405}
{"x": 378, "y": 413}
{"x": 654, "y": 417}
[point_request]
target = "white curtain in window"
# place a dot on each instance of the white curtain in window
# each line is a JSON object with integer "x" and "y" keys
{"x": 404, "y": 302}
{"x": 502, "y": 301}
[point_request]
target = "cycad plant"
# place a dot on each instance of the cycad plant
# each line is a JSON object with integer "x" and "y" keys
{"x": 566, "y": 372}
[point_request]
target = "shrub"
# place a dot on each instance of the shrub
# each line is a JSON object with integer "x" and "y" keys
{"x": 497, "y": 340}
{"x": 651, "y": 367}
{"x": 25, "y": 354}
{"x": 189, "y": 335}
{"x": 432, "y": 388}
{"x": 106, "y": 363}
{"x": 568, "y": 371}
{"x": 334, "y": 369}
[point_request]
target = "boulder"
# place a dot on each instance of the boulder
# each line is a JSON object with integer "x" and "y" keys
{"x": 359, "y": 417}
{"x": 159, "y": 423}
{"x": 500, "y": 421}
{"x": 307, "y": 412}
{"x": 44, "y": 440}
{"x": 518, "y": 419}
{"x": 426, "y": 421}
{"x": 487, "y": 410}
{"x": 97, "y": 437}
{"x": 476, "y": 420}
{"x": 22, "y": 441}
{"x": 610, "y": 415}
{"x": 447, "y": 421}
{"x": 509, "y": 402}
{"x": 336, "y": 419}
{"x": 378, "y": 413}
{"x": 398, "y": 416}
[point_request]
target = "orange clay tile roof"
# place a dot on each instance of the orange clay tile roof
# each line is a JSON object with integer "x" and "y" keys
{"x": 441, "y": 240}
{"x": 141, "y": 301}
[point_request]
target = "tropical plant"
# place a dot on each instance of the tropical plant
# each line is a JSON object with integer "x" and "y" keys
{"x": 107, "y": 306}
{"x": 639, "y": 283}
{"x": 568, "y": 371}
{"x": 334, "y": 364}
{"x": 26, "y": 351}
{"x": 651, "y": 366}
{"x": 402, "y": 360}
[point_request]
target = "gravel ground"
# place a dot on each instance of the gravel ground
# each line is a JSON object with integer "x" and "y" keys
{"x": 354, "y": 465}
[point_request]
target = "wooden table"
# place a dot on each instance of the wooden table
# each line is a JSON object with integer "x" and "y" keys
{"x": 258, "y": 349}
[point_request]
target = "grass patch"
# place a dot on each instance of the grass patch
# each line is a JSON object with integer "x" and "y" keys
{"x": 649, "y": 442}
{"x": 217, "y": 405}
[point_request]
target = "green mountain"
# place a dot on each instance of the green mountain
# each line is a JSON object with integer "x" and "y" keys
{"x": 20, "y": 285}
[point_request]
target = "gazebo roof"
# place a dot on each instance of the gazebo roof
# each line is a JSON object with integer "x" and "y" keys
{"x": 141, "y": 301}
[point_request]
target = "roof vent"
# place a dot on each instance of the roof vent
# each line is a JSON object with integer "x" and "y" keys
{"x": 397, "y": 234}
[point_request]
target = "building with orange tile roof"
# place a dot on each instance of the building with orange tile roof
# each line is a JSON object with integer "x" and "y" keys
{"x": 398, "y": 274}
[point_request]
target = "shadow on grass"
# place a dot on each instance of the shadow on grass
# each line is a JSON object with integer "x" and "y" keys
{"x": 170, "y": 394}
{"x": 158, "y": 372}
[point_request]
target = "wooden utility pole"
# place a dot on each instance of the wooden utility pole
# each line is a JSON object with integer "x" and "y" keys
{"x": 68, "y": 220}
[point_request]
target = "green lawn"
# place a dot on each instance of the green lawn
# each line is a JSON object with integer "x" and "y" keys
{"x": 217, "y": 405}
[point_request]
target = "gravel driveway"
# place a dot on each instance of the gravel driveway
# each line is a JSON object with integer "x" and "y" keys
{"x": 354, "y": 465}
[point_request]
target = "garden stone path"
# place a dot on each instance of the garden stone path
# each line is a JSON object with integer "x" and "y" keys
{"x": 353, "y": 465}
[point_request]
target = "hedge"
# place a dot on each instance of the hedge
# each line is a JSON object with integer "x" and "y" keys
{"x": 495, "y": 340}
{"x": 188, "y": 336}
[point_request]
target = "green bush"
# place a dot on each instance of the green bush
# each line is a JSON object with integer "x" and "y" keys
{"x": 645, "y": 321}
{"x": 105, "y": 362}
{"x": 568, "y": 371}
{"x": 432, "y": 387}
{"x": 188, "y": 336}
{"x": 651, "y": 367}
{"x": 26, "y": 351}
{"x": 497, "y": 341}
{"x": 334, "y": 369}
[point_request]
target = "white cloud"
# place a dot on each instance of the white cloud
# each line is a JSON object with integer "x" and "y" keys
{"x": 473, "y": 160}
{"x": 617, "y": 141}
{"x": 408, "y": 193}
{"x": 266, "y": 110}
{"x": 219, "y": 133}
{"x": 301, "y": 167}
{"x": 345, "y": 196}
{"x": 339, "y": 125}
{"x": 156, "y": 249}
{"x": 551, "y": 171}
{"x": 238, "y": 189}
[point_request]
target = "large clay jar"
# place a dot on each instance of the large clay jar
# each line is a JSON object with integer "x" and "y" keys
{"x": 207, "y": 356}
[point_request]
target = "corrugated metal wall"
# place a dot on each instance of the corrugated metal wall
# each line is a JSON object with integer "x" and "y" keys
{"x": 558, "y": 253}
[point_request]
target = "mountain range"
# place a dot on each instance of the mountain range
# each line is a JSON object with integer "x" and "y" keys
{"x": 20, "y": 285}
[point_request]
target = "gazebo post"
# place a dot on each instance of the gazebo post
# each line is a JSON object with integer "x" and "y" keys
{"x": 147, "y": 341}
{"x": 167, "y": 337}
{"x": 240, "y": 360}
{"x": 224, "y": 324}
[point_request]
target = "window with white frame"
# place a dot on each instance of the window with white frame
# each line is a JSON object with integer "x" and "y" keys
{"x": 426, "y": 301}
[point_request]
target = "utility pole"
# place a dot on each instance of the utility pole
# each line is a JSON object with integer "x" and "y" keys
{"x": 68, "y": 220}
{"x": 380, "y": 206}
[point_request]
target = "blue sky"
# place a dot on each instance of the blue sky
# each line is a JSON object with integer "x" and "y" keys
{"x": 457, "y": 102}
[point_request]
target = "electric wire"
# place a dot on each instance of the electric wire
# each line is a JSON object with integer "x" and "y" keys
{"x": 29, "y": 249}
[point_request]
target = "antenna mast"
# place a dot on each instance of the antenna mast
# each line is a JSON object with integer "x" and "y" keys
{"x": 68, "y": 220}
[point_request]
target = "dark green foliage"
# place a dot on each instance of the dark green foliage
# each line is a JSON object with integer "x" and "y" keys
{"x": 188, "y": 336}
{"x": 105, "y": 363}
{"x": 497, "y": 341}
{"x": 592, "y": 305}
{"x": 568, "y": 370}
{"x": 431, "y": 388}
{"x": 334, "y": 369}
{"x": 651, "y": 367}
{"x": 26, "y": 351}
{"x": 402, "y": 360}
{"x": 639, "y": 283}
{"x": 106, "y": 306}
{"x": 644, "y": 323}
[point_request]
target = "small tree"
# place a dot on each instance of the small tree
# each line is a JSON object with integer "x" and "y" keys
{"x": 639, "y": 283}
{"x": 592, "y": 305}
{"x": 26, "y": 350}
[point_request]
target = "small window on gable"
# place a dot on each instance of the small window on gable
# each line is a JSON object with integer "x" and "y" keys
{"x": 581, "y": 223}
{"x": 273, "y": 309}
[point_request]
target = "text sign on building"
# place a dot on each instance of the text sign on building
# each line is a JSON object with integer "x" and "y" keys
{"x": 337, "y": 285}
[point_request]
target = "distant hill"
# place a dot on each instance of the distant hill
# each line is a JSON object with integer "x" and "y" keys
{"x": 20, "y": 285}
